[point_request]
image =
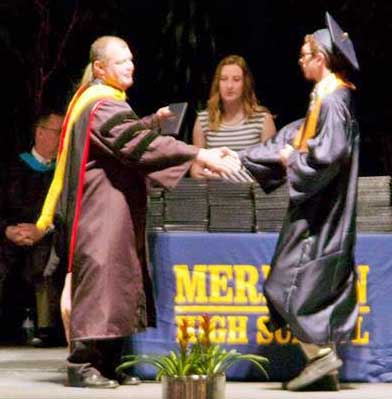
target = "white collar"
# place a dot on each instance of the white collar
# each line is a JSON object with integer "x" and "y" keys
{"x": 39, "y": 157}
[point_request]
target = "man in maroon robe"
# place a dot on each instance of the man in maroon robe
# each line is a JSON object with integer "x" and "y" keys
{"x": 111, "y": 155}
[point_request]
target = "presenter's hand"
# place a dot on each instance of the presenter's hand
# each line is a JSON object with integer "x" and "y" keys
{"x": 66, "y": 305}
{"x": 209, "y": 174}
{"x": 199, "y": 171}
{"x": 164, "y": 113}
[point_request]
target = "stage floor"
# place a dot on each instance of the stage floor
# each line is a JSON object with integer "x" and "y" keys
{"x": 29, "y": 373}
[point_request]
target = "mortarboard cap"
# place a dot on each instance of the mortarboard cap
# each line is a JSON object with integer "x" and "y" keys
{"x": 334, "y": 38}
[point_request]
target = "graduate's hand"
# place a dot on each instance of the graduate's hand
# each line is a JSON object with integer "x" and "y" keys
{"x": 285, "y": 154}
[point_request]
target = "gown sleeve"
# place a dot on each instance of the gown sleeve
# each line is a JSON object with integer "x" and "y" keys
{"x": 309, "y": 172}
{"x": 263, "y": 160}
{"x": 136, "y": 142}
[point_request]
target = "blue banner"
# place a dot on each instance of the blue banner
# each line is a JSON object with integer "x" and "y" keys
{"x": 222, "y": 274}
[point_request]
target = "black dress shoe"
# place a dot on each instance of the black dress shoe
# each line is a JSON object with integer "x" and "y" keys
{"x": 329, "y": 382}
{"x": 126, "y": 379}
{"x": 314, "y": 371}
{"x": 43, "y": 342}
{"x": 46, "y": 338}
{"x": 90, "y": 380}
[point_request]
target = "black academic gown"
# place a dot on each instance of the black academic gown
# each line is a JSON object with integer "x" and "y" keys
{"x": 22, "y": 194}
{"x": 311, "y": 286}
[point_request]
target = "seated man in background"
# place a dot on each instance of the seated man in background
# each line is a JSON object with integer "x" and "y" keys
{"x": 25, "y": 275}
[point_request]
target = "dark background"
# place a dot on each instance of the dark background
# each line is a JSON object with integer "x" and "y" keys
{"x": 176, "y": 44}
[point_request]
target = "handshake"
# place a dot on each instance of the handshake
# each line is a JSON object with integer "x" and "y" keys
{"x": 209, "y": 163}
{"x": 215, "y": 163}
{"x": 220, "y": 163}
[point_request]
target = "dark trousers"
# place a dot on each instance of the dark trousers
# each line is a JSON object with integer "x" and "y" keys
{"x": 102, "y": 355}
{"x": 23, "y": 284}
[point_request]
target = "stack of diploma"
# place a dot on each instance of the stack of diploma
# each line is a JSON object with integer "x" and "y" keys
{"x": 374, "y": 210}
{"x": 231, "y": 206}
{"x": 222, "y": 206}
{"x": 186, "y": 206}
{"x": 271, "y": 208}
{"x": 155, "y": 209}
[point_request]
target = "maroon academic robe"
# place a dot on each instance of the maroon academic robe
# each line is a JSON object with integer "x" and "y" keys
{"x": 111, "y": 287}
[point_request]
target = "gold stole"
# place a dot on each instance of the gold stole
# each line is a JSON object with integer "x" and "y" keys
{"x": 308, "y": 129}
{"x": 82, "y": 98}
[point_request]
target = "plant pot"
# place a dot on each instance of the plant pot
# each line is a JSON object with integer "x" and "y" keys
{"x": 194, "y": 387}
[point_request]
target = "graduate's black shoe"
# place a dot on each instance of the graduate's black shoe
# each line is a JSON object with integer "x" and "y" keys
{"x": 314, "y": 371}
{"x": 90, "y": 380}
{"x": 329, "y": 382}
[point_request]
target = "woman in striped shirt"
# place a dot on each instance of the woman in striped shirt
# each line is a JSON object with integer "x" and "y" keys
{"x": 233, "y": 117}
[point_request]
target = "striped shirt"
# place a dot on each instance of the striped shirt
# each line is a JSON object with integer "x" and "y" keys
{"x": 236, "y": 137}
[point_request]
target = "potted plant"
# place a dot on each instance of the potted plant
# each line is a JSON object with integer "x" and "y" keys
{"x": 194, "y": 370}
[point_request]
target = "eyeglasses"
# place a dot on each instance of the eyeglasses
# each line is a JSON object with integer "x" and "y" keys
{"x": 57, "y": 131}
{"x": 303, "y": 55}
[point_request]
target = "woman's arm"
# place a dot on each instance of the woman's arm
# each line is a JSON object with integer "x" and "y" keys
{"x": 198, "y": 140}
{"x": 269, "y": 128}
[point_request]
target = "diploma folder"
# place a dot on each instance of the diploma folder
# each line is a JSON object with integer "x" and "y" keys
{"x": 172, "y": 126}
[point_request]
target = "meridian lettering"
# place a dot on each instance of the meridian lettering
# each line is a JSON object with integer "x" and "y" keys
{"x": 219, "y": 284}
{"x": 221, "y": 290}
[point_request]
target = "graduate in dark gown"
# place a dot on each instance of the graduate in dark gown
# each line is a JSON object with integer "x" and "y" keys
{"x": 311, "y": 286}
{"x": 106, "y": 160}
